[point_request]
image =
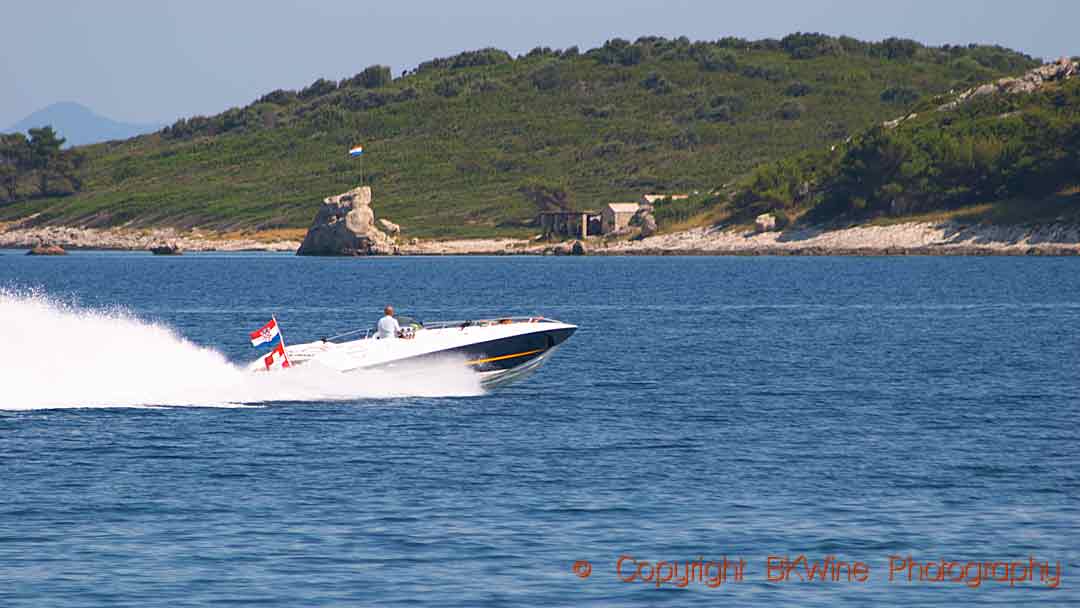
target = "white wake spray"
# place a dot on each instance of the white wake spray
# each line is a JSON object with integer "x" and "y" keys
{"x": 57, "y": 355}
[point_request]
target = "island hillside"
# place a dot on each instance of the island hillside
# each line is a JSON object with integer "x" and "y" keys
{"x": 476, "y": 144}
{"x": 1005, "y": 152}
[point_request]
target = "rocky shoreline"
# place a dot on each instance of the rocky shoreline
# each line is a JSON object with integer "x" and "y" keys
{"x": 132, "y": 240}
{"x": 910, "y": 238}
{"x": 905, "y": 239}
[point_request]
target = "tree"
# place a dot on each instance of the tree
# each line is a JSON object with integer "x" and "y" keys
{"x": 14, "y": 161}
{"x": 279, "y": 97}
{"x": 714, "y": 60}
{"x": 468, "y": 59}
{"x": 64, "y": 169}
{"x": 44, "y": 149}
{"x": 547, "y": 76}
{"x": 897, "y": 48}
{"x": 318, "y": 88}
{"x": 656, "y": 83}
{"x": 547, "y": 196}
{"x": 904, "y": 96}
{"x": 372, "y": 77}
{"x": 448, "y": 87}
{"x": 9, "y": 178}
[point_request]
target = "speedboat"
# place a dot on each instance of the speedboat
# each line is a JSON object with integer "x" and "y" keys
{"x": 499, "y": 350}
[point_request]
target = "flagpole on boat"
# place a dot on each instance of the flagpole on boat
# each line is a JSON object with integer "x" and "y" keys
{"x": 281, "y": 336}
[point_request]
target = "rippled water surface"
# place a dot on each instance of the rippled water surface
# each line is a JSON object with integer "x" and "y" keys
{"x": 707, "y": 407}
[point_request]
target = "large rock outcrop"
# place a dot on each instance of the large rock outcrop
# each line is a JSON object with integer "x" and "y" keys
{"x": 46, "y": 249}
{"x": 766, "y": 222}
{"x": 1060, "y": 70}
{"x": 345, "y": 225}
{"x": 169, "y": 248}
{"x": 645, "y": 220}
{"x": 389, "y": 227}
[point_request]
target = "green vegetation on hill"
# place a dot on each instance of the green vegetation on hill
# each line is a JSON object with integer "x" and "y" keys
{"x": 1019, "y": 153}
{"x": 37, "y": 165}
{"x": 474, "y": 144}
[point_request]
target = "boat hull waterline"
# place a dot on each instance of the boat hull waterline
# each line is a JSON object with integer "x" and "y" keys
{"x": 500, "y": 351}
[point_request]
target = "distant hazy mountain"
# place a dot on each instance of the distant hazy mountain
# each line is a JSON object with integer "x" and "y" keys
{"x": 80, "y": 125}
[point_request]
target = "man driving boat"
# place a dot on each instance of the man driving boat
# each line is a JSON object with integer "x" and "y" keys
{"x": 388, "y": 326}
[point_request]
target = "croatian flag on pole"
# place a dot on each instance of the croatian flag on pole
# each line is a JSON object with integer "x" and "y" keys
{"x": 267, "y": 334}
{"x": 277, "y": 357}
{"x": 357, "y": 151}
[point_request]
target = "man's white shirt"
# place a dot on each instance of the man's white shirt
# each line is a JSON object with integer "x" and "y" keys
{"x": 388, "y": 327}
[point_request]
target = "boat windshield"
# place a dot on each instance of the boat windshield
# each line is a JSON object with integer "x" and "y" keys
{"x": 403, "y": 322}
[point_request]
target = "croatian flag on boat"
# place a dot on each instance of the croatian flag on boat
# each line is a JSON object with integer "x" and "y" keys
{"x": 266, "y": 334}
{"x": 357, "y": 151}
{"x": 277, "y": 357}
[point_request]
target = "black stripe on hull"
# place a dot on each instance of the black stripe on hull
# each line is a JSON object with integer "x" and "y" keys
{"x": 501, "y": 354}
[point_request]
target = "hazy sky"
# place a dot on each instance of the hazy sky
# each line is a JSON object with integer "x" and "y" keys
{"x": 156, "y": 60}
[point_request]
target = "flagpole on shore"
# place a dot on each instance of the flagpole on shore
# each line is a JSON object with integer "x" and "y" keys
{"x": 358, "y": 152}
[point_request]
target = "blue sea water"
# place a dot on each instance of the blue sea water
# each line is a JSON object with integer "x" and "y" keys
{"x": 860, "y": 408}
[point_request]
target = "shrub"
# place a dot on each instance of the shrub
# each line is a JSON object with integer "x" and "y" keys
{"x": 731, "y": 42}
{"x": 485, "y": 85}
{"x": 797, "y": 89}
{"x": 448, "y": 87}
{"x": 970, "y": 70}
{"x": 900, "y": 95}
{"x": 372, "y": 77}
{"x": 546, "y": 195}
{"x": 716, "y": 114}
{"x": 733, "y": 102}
{"x": 618, "y": 51}
{"x": 686, "y": 140}
{"x": 764, "y": 73}
{"x": 791, "y": 110}
{"x": 468, "y": 59}
{"x": 668, "y": 211}
{"x": 657, "y": 84}
{"x": 809, "y": 46}
{"x": 601, "y": 112}
{"x": 783, "y": 220}
{"x": 547, "y": 77}
{"x": 406, "y": 94}
{"x": 507, "y": 164}
{"x": 365, "y": 100}
{"x": 328, "y": 118}
{"x": 715, "y": 60}
{"x": 318, "y": 88}
{"x": 279, "y": 97}
{"x": 895, "y": 48}
{"x": 540, "y": 51}
{"x": 606, "y": 150}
